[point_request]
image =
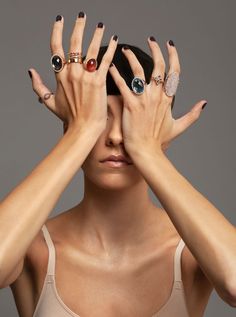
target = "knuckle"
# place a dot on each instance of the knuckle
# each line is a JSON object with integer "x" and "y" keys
{"x": 72, "y": 75}
{"x": 106, "y": 60}
{"x": 74, "y": 41}
{"x": 55, "y": 46}
{"x": 162, "y": 64}
{"x": 195, "y": 115}
{"x": 100, "y": 81}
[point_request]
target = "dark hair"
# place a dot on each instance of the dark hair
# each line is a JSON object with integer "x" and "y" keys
{"x": 124, "y": 68}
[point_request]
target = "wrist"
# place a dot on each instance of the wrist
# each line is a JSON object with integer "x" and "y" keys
{"x": 144, "y": 152}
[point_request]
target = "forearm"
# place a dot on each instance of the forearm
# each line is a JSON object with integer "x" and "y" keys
{"x": 208, "y": 234}
{"x": 25, "y": 209}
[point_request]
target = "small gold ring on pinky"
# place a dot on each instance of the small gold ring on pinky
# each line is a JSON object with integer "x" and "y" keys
{"x": 45, "y": 97}
{"x": 158, "y": 80}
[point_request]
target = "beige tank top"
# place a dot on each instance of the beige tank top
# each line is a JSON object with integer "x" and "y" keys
{"x": 51, "y": 305}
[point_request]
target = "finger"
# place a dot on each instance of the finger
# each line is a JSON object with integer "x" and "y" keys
{"x": 40, "y": 89}
{"x": 56, "y": 40}
{"x": 174, "y": 67}
{"x": 158, "y": 60}
{"x": 174, "y": 64}
{"x": 108, "y": 57}
{"x": 135, "y": 65}
{"x": 120, "y": 82}
{"x": 188, "y": 119}
{"x": 78, "y": 33}
{"x": 95, "y": 44}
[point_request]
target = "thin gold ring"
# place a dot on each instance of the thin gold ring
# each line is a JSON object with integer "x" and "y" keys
{"x": 158, "y": 80}
{"x": 75, "y": 57}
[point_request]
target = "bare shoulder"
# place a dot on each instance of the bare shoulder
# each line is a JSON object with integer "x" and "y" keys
{"x": 197, "y": 286}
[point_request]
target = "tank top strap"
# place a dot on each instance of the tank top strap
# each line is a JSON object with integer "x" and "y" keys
{"x": 177, "y": 261}
{"x": 51, "y": 250}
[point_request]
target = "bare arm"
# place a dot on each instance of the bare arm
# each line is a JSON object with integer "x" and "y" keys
{"x": 26, "y": 208}
{"x": 81, "y": 102}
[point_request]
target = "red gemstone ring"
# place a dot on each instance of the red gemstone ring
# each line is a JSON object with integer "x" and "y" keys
{"x": 90, "y": 64}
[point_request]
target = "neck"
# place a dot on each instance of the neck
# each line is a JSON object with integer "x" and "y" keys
{"x": 113, "y": 221}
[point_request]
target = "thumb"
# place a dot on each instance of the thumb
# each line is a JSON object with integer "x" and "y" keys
{"x": 188, "y": 119}
{"x": 40, "y": 89}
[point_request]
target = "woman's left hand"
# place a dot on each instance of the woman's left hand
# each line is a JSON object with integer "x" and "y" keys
{"x": 147, "y": 122}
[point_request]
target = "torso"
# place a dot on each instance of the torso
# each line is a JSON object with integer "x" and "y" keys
{"x": 91, "y": 286}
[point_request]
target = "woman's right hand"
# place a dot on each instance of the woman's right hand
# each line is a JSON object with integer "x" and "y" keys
{"x": 80, "y": 99}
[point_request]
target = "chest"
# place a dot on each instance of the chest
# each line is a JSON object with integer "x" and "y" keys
{"x": 102, "y": 288}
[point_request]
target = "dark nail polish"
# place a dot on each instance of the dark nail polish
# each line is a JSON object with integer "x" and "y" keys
{"x": 171, "y": 43}
{"x": 111, "y": 64}
{"x": 30, "y": 74}
{"x": 115, "y": 37}
{"x": 152, "y": 38}
{"x": 81, "y": 14}
{"x": 100, "y": 25}
{"x": 126, "y": 47}
{"x": 204, "y": 105}
{"x": 58, "y": 18}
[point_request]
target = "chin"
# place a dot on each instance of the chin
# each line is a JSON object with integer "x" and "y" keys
{"x": 112, "y": 181}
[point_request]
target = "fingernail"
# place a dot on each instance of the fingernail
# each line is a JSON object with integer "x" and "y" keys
{"x": 81, "y": 14}
{"x": 111, "y": 64}
{"x": 204, "y": 105}
{"x": 125, "y": 47}
{"x": 152, "y": 38}
{"x": 30, "y": 74}
{"x": 58, "y": 18}
{"x": 100, "y": 25}
{"x": 115, "y": 37}
{"x": 171, "y": 43}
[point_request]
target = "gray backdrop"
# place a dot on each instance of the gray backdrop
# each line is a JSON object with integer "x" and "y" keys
{"x": 204, "y": 34}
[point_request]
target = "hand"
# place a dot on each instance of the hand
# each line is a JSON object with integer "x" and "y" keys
{"x": 147, "y": 121}
{"x": 80, "y": 99}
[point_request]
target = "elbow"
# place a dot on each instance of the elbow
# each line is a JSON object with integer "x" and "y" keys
{"x": 230, "y": 293}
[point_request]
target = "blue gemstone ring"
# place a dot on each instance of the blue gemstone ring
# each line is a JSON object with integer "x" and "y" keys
{"x": 57, "y": 63}
{"x": 138, "y": 85}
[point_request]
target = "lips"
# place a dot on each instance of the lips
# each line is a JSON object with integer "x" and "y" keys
{"x": 117, "y": 158}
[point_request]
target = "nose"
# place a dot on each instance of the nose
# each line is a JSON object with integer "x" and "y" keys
{"x": 114, "y": 134}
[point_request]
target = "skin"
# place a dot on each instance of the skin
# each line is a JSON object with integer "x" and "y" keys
{"x": 112, "y": 236}
{"x": 116, "y": 240}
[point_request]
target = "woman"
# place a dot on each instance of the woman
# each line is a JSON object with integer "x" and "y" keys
{"x": 115, "y": 253}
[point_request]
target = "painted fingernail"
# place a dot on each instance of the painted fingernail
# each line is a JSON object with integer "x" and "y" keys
{"x": 125, "y": 47}
{"x": 30, "y": 74}
{"x": 100, "y": 25}
{"x": 115, "y": 37}
{"x": 111, "y": 64}
{"x": 203, "y": 106}
{"x": 152, "y": 38}
{"x": 58, "y": 17}
{"x": 81, "y": 14}
{"x": 171, "y": 43}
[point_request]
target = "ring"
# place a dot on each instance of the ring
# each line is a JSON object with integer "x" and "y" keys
{"x": 171, "y": 84}
{"x": 158, "y": 80}
{"x": 45, "y": 97}
{"x": 90, "y": 65}
{"x": 57, "y": 63}
{"x": 137, "y": 85}
{"x": 75, "y": 57}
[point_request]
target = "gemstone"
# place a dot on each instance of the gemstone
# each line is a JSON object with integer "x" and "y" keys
{"x": 171, "y": 84}
{"x": 57, "y": 63}
{"x": 137, "y": 85}
{"x": 91, "y": 65}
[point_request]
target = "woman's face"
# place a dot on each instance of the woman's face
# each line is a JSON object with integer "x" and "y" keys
{"x": 110, "y": 142}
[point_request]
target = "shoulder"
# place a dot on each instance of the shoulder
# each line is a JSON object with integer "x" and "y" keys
{"x": 196, "y": 284}
{"x": 36, "y": 257}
